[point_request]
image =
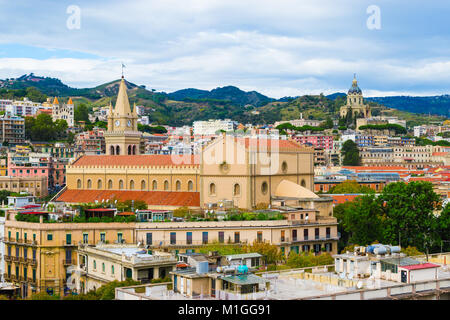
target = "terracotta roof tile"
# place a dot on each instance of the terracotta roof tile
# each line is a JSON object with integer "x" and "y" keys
{"x": 163, "y": 198}
{"x": 137, "y": 160}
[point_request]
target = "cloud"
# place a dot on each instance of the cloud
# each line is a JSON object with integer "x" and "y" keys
{"x": 279, "y": 48}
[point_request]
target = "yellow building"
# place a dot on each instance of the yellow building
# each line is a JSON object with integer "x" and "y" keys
{"x": 42, "y": 256}
{"x": 355, "y": 103}
{"x": 244, "y": 169}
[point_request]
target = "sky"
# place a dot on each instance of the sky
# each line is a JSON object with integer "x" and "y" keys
{"x": 276, "y": 47}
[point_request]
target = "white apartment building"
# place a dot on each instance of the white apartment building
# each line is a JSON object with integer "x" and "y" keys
{"x": 211, "y": 126}
{"x": 419, "y": 131}
{"x": 105, "y": 263}
{"x": 400, "y": 154}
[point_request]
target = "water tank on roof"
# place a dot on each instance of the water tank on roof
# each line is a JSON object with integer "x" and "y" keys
{"x": 242, "y": 269}
{"x": 380, "y": 250}
{"x": 395, "y": 249}
{"x": 202, "y": 267}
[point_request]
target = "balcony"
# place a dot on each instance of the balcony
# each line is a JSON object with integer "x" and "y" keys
{"x": 15, "y": 259}
{"x": 69, "y": 244}
{"x": 8, "y": 258}
{"x": 30, "y": 242}
{"x": 32, "y": 281}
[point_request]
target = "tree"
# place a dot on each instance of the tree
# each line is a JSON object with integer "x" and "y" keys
{"x": 327, "y": 124}
{"x": 408, "y": 214}
{"x": 81, "y": 113}
{"x": 362, "y": 220}
{"x": 43, "y": 128}
{"x": 269, "y": 251}
{"x": 351, "y": 154}
{"x": 61, "y": 128}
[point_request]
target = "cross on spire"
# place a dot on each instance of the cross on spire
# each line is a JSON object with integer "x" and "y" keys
{"x": 123, "y": 66}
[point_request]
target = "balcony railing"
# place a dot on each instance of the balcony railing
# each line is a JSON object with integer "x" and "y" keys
{"x": 8, "y": 258}
{"x": 168, "y": 243}
{"x": 69, "y": 243}
{"x": 30, "y": 242}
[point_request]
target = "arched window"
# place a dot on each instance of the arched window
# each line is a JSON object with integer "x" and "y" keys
{"x": 134, "y": 149}
{"x": 129, "y": 149}
{"x": 117, "y": 150}
{"x": 284, "y": 167}
{"x": 143, "y": 185}
{"x": 89, "y": 184}
{"x": 178, "y": 185}
{"x": 154, "y": 185}
{"x": 110, "y": 184}
{"x": 237, "y": 189}
{"x": 120, "y": 184}
{"x": 166, "y": 185}
{"x": 132, "y": 185}
{"x": 99, "y": 184}
{"x": 303, "y": 184}
{"x": 95, "y": 265}
{"x": 212, "y": 189}
{"x": 264, "y": 187}
{"x": 111, "y": 150}
{"x": 79, "y": 183}
{"x": 103, "y": 267}
{"x": 190, "y": 186}
{"x": 112, "y": 269}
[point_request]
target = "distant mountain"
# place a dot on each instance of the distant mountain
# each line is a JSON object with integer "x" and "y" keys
{"x": 182, "y": 107}
{"x": 333, "y": 96}
{"x": 231, "y": 94}
{"x": 439, "y": 105}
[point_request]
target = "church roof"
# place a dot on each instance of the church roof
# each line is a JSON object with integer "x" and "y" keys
{"x": 290, "y": 189}
{"x": 271, "y": 144}
{"x": 70, "y": 101}
{"x": 137, "y": 160}
{"x": 162, "y": 198}
{"x": 122, "y": 104}
{"x": 55, "y": 101}
{"x": 355, "y": 88}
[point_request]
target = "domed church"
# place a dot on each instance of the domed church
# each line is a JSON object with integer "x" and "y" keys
{"x": 355, "y": 103}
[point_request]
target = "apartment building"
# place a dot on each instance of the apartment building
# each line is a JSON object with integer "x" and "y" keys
{"x": 104, "y": 263}
{"x": 90, "y": 142}
{"x": 404, "y": 155}
{"x": 12, "y": 129}
{"x": 35, "y": 185}
{"x": 321, "y": 141}
{"x": 210, "y": 127}
{"x": 43, "y": 256}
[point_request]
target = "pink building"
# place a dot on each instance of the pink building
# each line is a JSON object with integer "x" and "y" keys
{"x": 31, "y": 164}
{"x": 321, "y": 141}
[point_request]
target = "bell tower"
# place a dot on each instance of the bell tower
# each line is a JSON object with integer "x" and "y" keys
{"x": 122, "y": 136}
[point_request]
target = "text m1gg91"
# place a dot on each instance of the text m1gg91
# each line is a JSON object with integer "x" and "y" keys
{"x": 246, "y": 309}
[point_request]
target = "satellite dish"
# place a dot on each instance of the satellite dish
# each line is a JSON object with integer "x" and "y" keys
{"x": 342, "y": 275}
{"x": 359, "y": 285}
{"x": 350, "y": 275}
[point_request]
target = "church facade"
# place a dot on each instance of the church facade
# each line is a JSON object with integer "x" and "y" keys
{"x": 244, "y": 169}
{"x": 355, "y": 103}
